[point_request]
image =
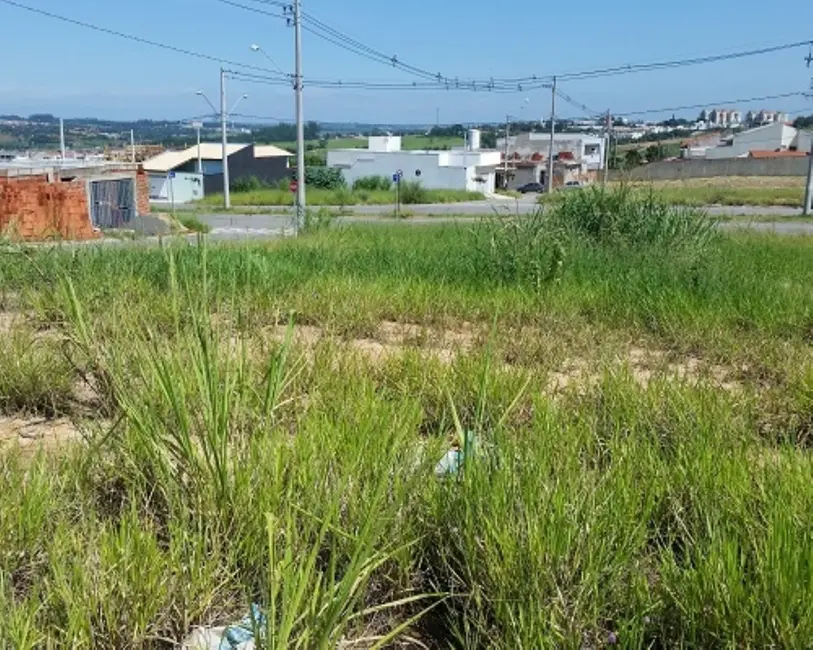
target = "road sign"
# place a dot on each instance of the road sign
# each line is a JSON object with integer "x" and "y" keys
{"x": 293, "y": 186}
{"x": 397, "y": 176}
{"x": 197, "y": 125}
{"x": 171, "y": 175}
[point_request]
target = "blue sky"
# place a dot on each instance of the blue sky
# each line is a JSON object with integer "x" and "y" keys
{"x": 68, "y": 70}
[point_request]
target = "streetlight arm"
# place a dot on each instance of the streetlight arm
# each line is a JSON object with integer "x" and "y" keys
{"x": 237, "y": 103}
{"x": 200, "y": 94}
{"x": 257, "y": 48}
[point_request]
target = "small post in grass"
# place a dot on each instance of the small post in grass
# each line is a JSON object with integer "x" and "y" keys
{"x": 396, "y": 177}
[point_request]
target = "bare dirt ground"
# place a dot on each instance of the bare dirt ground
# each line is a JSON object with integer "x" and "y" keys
{"x": 389, "y": 340}
{"x": 33, "y": 433}
{"x": 645, "y": 364}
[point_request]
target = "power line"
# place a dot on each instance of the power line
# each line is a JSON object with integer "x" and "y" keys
{"x": 335, "y": 36}
{"x": 439, "y": 81}
{"x": 130, "y": 37}
{"x": 574, "y": 103}
{"x": 254, "y": 9}
{"x": 674, "y": 109}
{"x": 263, "y": 117}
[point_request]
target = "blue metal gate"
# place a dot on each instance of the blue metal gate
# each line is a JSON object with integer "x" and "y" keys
{"x": 112, "y": 203}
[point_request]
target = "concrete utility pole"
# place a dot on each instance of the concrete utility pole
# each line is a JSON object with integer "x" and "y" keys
{"x": 808, "y": 208}
{"x": 62, "y": 138}
{"x": 552, "y": 134}
{"x": 505, "y": 153}
{"x": 132, "y": 146}
{"x": 198, "y": 127}
{"x": 300, "y": 125}
{"x": 226, "y": 187}
{"x": 607, "y": 147}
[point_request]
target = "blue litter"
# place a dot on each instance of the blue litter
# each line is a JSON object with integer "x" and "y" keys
{"x": 239, "y": 636}
{"x": 454, "y": 459}
{"x": 243, "y": 632}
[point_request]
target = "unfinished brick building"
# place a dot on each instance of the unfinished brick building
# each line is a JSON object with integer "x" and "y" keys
{"x": 70, "y": 203}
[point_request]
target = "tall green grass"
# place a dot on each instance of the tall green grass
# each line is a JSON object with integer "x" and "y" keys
{"x": 236, "y": 467}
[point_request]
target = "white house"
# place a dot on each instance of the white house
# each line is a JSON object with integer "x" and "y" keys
{"x": 777, "y": 136}
{"x": 582, "y": 147}
{"x": 468, "y": 168}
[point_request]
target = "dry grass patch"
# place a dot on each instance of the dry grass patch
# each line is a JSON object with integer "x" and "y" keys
{"x": 389, "y": 339}
{"x": 645, "y": 365}
{"x": 32, "y": 434}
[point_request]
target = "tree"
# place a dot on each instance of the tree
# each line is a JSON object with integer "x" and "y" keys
{"x": 804, "y": 122}
{"x": 488, "y": 139}
{"x": 632, "y": 158}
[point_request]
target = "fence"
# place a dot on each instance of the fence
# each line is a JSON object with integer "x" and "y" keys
{"x": 683, "y": 169}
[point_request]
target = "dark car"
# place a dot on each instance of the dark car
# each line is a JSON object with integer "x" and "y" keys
{"x": 531, "y": 187}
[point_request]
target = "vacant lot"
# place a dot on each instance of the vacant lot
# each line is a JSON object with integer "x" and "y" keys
{"x": 729, "y": 190}
{"x": 219, "y": 426}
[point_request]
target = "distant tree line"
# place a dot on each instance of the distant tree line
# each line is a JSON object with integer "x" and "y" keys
{"x": 804, "y": 122}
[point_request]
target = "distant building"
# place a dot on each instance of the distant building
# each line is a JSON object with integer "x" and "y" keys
{"x": 776, "y": 137}
{"x": 762, "y": 117}
{"x": 42, "y": 200}
{"x": 193, "y": 179}
{"x": 469, "y": 168}
{"x": 721, "y": 118}
{"x": 577, "y": 157}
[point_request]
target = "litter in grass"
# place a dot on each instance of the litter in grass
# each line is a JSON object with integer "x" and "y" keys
{"x": 232, "y": 637}
{"x": 454, "y": 459}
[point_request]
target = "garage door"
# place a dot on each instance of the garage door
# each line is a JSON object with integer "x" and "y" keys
{"x": 112, "y": 203}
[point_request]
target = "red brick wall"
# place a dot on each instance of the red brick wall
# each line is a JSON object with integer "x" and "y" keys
{"x": 31, "y": 208}
{"x": 142, "y": 192}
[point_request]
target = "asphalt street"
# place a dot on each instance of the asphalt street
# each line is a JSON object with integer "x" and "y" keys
{"x": 523, "y": 205}
{"x": 228, "y": 226}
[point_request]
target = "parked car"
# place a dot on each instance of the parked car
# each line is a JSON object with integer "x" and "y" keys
{"x": 531, "y": 187}
{"x": 572, "y": 184}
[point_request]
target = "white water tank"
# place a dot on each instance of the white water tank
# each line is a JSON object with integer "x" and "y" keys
{"x": 474, "y": 139}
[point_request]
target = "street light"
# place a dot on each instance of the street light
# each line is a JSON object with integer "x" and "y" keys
{"x": 199, "y": 93}
{"x": 233, "y": 108}
{"x": 257, "y": 48}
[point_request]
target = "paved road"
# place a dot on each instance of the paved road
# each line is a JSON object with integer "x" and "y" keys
{"x": 240, "y": 226}
{"x": 525, "y": 205}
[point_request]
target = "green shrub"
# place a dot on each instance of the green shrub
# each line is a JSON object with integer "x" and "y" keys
{"x": 324, "y": 178}
{"x": 194, "y": 224}
{"x": 413, "y": 192}
{"x": 624, "y": 216}
{"x": 247, "y": 184}
{"x": 372, "y": 183}
{"x": 517, "y": 251}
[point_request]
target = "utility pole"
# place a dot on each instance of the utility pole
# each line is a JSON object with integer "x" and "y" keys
{"x": 552, "y": 134}
{"x": 607, "y": 147}
{"x": 198, "y": 127}
{"x": 505, "y": 153}
{"x": 226, "y": 188}
{"x": 809, "y": 189}
{"x": 62, "y": 138}
{"x": 808, "y": 206}
{"x": 132, "y": 146}
{"x": 300, "y": 126}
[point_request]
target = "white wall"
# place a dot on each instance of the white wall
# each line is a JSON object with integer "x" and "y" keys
{"x": 763, "y": 138}
{"x": 384, "y": 143}
{"x": 184, "y": 188}
{"x": 438, "y": 169}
